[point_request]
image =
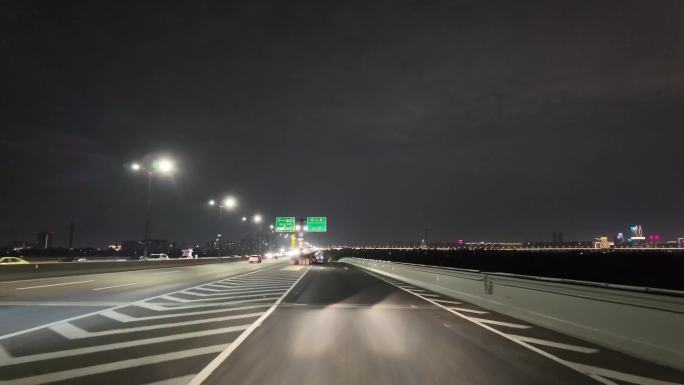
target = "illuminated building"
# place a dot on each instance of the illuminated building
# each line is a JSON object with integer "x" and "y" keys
{"x": 636, "y": 236}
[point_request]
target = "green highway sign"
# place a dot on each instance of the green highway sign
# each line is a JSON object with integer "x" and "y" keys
{"x": 316, "y": 224}
{"x": 285, "y": 224}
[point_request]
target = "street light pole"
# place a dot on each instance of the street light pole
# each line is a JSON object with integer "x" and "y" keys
{"x": 148, "y": 215}
{"x": 161, "y": 166}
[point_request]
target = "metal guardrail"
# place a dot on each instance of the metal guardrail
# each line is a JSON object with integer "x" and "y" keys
{"x": 643, "y": 289}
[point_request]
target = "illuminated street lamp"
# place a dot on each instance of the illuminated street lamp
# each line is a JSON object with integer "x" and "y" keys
{"x": 256, "y": 218}
{"x": 228, "y": 203}
{"x": 161, "y": 166}
{"x": 244, "y": 219}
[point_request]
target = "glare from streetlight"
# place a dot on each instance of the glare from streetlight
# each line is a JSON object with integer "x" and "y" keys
{"x": 244, "y": 219}
{"x": 165, "y": 165}
{"x": 230, "y": 202}
{"x": 270, "y": 226}
{"x": 212, "y": 202}
{"x": 257, "y": 218}
{"x": 135, "y": 166}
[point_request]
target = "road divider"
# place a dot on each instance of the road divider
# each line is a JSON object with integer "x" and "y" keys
{"x": 642, "y": 322}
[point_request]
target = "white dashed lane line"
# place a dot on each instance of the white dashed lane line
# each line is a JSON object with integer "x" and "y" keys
{"x": 602, "y": 375}
{"x": 115, "y": 286}
{"x": 55, "y": 284}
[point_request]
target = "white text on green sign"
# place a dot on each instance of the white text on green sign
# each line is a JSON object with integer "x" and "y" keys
{"x": 285, "y": 224}
{"x": 316, "y": 224}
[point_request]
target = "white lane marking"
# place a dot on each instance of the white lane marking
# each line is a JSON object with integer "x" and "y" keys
{"x": 217, "y": 361}
{"x": 614, "y": 374}
{"x": 428, "y": 295}
{"x": 602, "y": 380}
{"x": 469, "y": 310}
{"x": 73, "y": 332}
{"x": 501, "y": 323}
{"x": 55, "y": 284}
{"x": 161, "y": 307}
{"x": 590, "y": 371}
{"x": 232, "y": 292}
{"x": 292, "y": 268}
{"x": 75, "y": 304}
{"x": 115, "y": 315}
{"x": 226, "y": 292}
{"x": 283, "y": 287}
{"x": 183, "y": 300}
{"x": 167, "y": 272}
{"x": 447, "y": 301}
{"x": 122, "y": 285}
{"x": 112, "y": 366}
{"x": 346, "y": 268}
{"x": 13, "y": 334}
{"x": 236, "y": 285}
{"x": 7, "y": 359}
{"x": 417, "y": 290}
{"x": 573, "y": 348}
{"x": 173, "y": 381}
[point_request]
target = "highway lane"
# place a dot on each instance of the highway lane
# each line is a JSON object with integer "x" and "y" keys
{"x": 341, "y": 325}
{"x": 29, "y": 303}
{"x": 282, "y": 324}
{"x": 166, "y": 339}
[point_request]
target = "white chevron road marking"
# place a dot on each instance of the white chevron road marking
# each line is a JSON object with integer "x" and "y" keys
{"x": 573, "y": 348}
{"x": 73, "y": 332}
{"x": 185, "y": 300}
{"x": 117, "y": 316}
{"x": 111, "y": 366}
{"x": 6, "y": 359}
{"x": 501, "y": 323}
{"x": 187, "y": 292}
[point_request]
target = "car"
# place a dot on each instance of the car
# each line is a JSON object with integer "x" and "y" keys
{"x": 254, "y": 259}
{"x": 154, "y": 257}
{"x": 12, "y": 261}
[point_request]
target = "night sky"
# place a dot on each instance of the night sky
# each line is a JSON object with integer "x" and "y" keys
{"x": 480, "y": 120}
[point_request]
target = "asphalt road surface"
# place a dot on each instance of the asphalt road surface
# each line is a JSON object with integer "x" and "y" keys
{"x": 279, "y": 324}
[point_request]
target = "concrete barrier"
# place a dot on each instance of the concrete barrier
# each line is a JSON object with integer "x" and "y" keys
{"x": 48, "y": 270}
{"x": 642, "y": 322}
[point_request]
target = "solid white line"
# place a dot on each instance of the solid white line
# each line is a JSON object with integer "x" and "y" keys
{"x": 168, "y": 272}
{"x": 13, "y": 334}
{"x": 73, "y": 332}
{"x": 113, "y": 314}
{"x": 631, "y": 378}
{"x": 55, "y": 284}
{"x": 122, "y": 285}
{"x": 206, "y": 372}
{"x": 75, "y": 304}
{"x": 7, "y": 359}
{"x": 429, "y": 295}
{"x": 573, "y": 348}
{"x": 173, "y": 381}
{"x": 469, "y": 310}
{"x": 533, "y": 348}
{"x": 111, "y": 366}
{"x": 501, "y": 323}
{"x": 447, "y": 301}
